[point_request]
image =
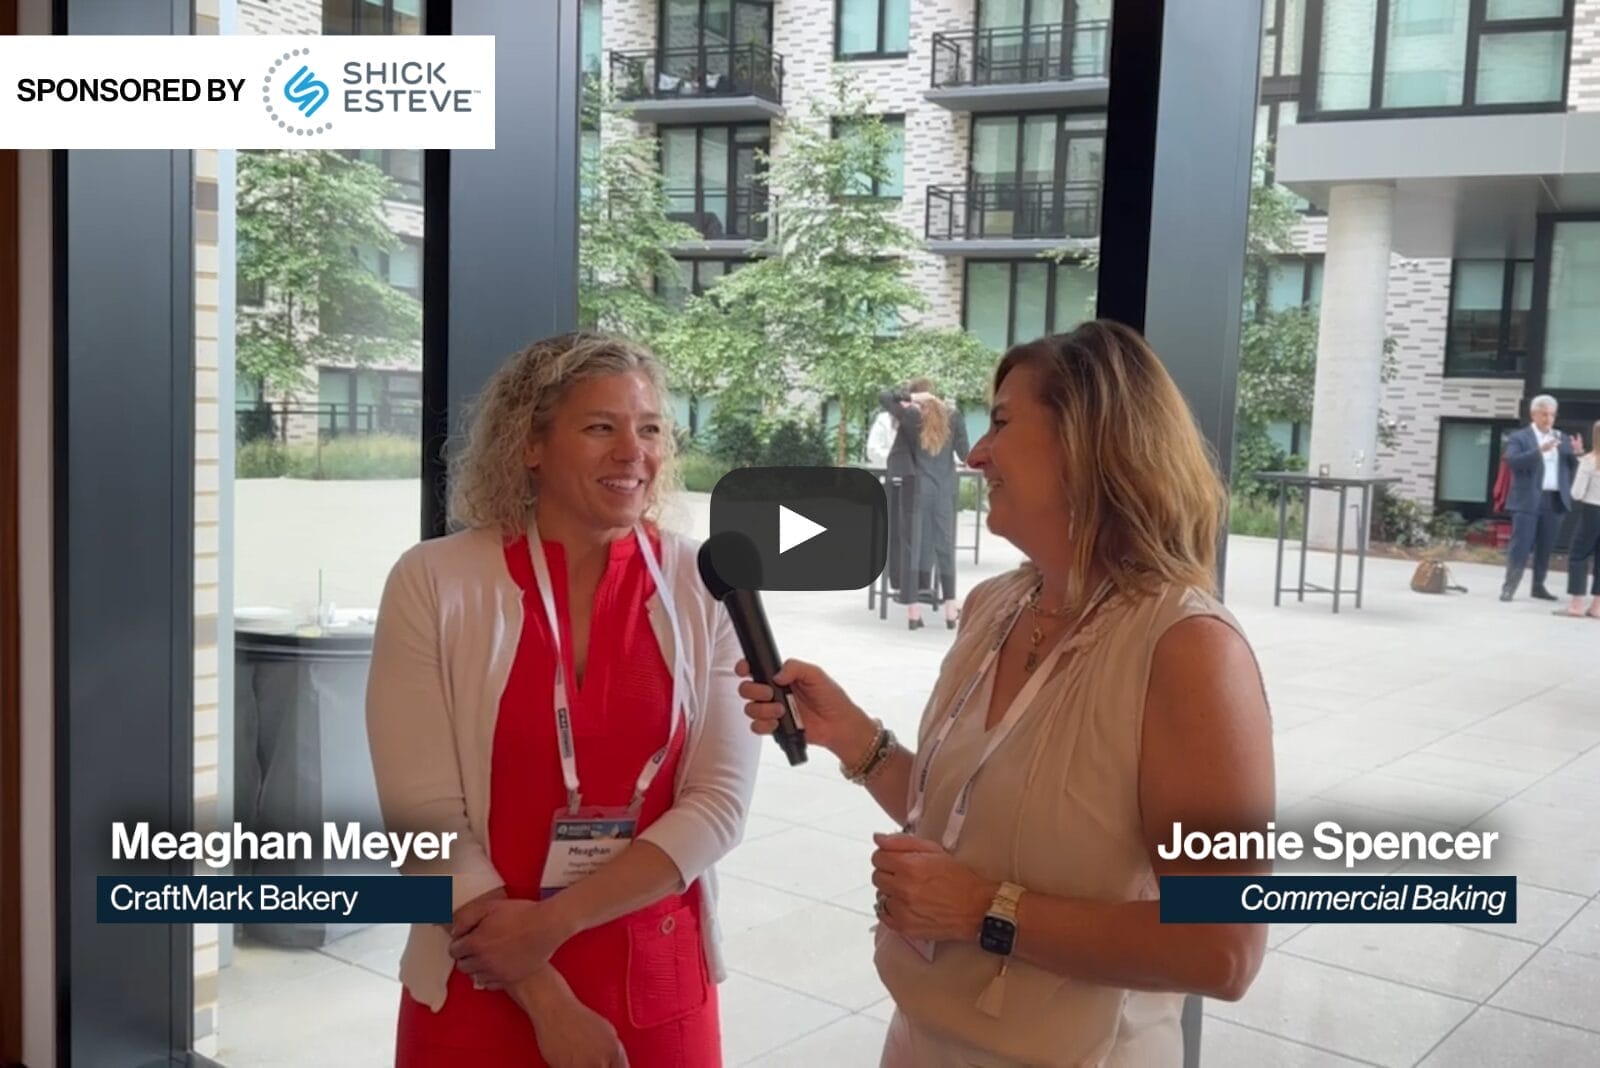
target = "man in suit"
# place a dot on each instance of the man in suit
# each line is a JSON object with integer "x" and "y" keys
{"x": 1542, "y": 463}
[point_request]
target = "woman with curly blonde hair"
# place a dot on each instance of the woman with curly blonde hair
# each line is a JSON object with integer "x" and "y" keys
{"x": 553, "y": 686}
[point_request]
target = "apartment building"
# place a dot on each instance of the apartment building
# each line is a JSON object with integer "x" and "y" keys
{"x": 1444, "y": 151}
{"x": 382, "y": 395}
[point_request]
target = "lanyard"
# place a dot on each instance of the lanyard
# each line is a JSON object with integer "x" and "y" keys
{"x": 1002, "y": 730}
{"x": 565, "y": 741}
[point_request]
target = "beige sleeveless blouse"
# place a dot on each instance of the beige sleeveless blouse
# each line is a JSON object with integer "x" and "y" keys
{"x": 1055, "y": 810}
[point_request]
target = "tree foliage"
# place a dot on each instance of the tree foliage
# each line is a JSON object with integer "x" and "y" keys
{"x": 625, "y": 234}
{"x": 302, "y": 216}
{"x": 827, "y": 308}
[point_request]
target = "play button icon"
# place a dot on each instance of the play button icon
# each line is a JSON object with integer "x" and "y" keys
{"x": 799, "y": 528}
{"x": 795, "y": 529}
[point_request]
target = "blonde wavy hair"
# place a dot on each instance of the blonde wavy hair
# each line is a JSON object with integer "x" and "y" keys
{"x": 935, "y": 418}
{"x": 1146, "y": 498}
{"x": 490, "y": 483}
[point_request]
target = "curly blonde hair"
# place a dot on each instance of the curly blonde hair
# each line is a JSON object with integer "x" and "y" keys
{"x": 1146, "y": 496}
{"x": 490, "y": 484}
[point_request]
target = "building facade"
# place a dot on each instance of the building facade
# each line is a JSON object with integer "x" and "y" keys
{"x": 1400, "y": 124}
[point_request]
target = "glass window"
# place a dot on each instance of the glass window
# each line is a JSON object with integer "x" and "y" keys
{"x": 1344, "y": 75}
{"x": 1486, "y": 336}
{"x": 591, "y": 28}
{"x": 988, "y": 303}
{"x": 1572, "y": 309}
{"x": 1075, "y": 297}
{"x": 1521, "y": 68}
{"x": 343, "y": 17}
{"x": 873, "y": 28}
{"x": 1465, "y": 451}
{"x": 994, "y": 149}
{"x": 1016, "y": 301}
{"x": 1498, "y": 10}
{"x": 892, "y": 185}
{"x": 1425, "y": 61}
{"x": 1031, "y": 300}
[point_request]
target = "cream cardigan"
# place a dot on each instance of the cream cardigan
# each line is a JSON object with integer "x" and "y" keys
{"x": 447, "y": 634}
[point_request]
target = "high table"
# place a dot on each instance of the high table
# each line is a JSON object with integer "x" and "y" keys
{"x": 1308, "y": 482}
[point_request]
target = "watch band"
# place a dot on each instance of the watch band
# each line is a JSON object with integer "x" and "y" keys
{"x": 1006, "y": 900}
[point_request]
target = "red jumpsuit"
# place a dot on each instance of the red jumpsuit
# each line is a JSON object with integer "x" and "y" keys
{"x": 646, "y": 973}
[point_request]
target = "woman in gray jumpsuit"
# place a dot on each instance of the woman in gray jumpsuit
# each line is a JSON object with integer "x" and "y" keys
{"x": 931, "y": 437}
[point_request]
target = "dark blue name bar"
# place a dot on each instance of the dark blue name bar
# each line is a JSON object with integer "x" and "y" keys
{"x": 272, "y": 899}
{"x": 1339, "y": 899}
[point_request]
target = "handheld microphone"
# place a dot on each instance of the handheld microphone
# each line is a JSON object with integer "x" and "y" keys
{"x": 755, "y": 637}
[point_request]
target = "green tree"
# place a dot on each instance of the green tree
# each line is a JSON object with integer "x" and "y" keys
{"x": 302, "y": 217}
{"x": 625, "y": 236}
{"x": 825, "y": 308}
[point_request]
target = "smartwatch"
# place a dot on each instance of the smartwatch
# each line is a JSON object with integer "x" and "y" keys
{"x": 999, "y": 932}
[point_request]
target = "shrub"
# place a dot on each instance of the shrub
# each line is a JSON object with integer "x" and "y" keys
{"x": 1399, "y": 520}
{"x": 795, "y": 444}
{"x": 700, "y": 472}
{"x": 367, "y": 456}
{"x": 1257, "y": 517}
{"x": 735, "y": 437}
{"x": 262, "y": 458}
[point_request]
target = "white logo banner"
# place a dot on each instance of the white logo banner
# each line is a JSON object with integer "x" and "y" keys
{"x": 246, "y": 92}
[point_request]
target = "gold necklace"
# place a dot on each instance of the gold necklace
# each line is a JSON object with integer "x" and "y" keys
{"x": 1039, "y": 614}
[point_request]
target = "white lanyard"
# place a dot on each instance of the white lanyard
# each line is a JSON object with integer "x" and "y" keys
{"x": 1019, "y": 707}
{"x": 565, "y": 741}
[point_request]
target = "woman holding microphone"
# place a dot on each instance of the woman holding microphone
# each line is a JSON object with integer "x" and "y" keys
{"x": 554, "y": 684}
{"x": 1093, "y": 697}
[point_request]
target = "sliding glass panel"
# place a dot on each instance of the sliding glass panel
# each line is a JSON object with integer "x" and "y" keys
{"x": 1426, "y": 60}
{"x": 896, "y": 25}
{"x": 988, "y": 303}
{"x": 681, "y": 24}
{"x": 1521, "y": 68}
{"x": 1344, "y": 79}
{"x": 714, "y": 176}
{"x": 678, "y": 168}
{"x": 1032, "y": 301}
{"x": 1075, "y": 297}
{"x": 1290, "y": 36}
{"x": 994, "y": 150}
{"x": 1572, "y": 339}
{"x": 1001, "y": 14}
{"x": 1464, "y": 451}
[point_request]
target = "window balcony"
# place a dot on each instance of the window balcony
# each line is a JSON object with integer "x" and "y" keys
{"x": 743, "y": 83}
{"x": 1011, "y": 218}
{"x": 1021, "y": 67}
{"x": 729, "y": 221}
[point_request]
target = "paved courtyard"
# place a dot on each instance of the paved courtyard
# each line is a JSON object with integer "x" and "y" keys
{"x": 1415, "y": 711}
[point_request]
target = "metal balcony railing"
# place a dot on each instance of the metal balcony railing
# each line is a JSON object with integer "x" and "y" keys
{"x": 677, "y": 73}
{"x": 1013, "y": 210}
{"x": 723, "y": 214}
{"x": 272, "y": 421}
{"x": 1022, "y": 55}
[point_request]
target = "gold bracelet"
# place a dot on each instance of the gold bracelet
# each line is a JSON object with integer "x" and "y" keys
{"x": 855, "y": 773}
{"x": 885, "y": 753}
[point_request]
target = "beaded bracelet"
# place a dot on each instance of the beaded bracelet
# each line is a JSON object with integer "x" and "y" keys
{"x": 883, "y": 747}
{"x": 854, "y": 773}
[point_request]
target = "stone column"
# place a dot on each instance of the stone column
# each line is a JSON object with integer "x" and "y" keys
{"x": 1350, "y": 336}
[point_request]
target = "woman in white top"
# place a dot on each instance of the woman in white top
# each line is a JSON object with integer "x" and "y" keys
{"x": 1093, "y": 698}
{"x": 1586, "y": 542}
{"x": 554, "y": 685}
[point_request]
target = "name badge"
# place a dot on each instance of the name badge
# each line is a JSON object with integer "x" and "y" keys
{"x": 582, "y": 843}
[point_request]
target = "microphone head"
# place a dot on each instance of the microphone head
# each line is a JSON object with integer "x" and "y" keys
{"x": 729, "y": 561}
{"x": 708, "y": 573}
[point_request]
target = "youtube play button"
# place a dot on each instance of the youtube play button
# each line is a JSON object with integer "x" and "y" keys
{"x": 811, "y": 528}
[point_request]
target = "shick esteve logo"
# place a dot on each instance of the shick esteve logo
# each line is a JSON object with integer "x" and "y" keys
{"x": 301, "y": 89}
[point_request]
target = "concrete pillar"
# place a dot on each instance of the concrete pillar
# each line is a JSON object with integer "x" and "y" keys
{"x": 1350, "y": 336}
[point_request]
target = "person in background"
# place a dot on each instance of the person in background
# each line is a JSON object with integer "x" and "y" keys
{"x": 555, "y": 685}
{"x": 1585, "y": 551}
{"x": 1093, "y": 698}
{"x": 1542, "y": 463}
{"x": 931, "y": 437}
{"x": 880, "y": 439}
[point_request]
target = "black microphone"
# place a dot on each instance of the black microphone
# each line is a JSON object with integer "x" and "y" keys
{"x": 739, "y": 554}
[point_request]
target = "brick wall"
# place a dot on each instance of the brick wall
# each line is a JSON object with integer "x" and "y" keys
{"x": 267, "y": 17}
{"x": 1583, "y": 86}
